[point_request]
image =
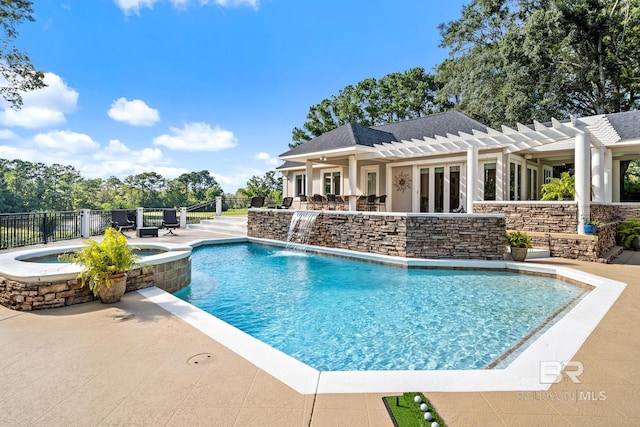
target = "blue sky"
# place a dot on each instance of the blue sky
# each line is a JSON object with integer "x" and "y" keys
{"x": 174, "y": 86}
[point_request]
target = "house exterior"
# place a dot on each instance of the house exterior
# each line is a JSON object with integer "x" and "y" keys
{"x": 441, "y": 162}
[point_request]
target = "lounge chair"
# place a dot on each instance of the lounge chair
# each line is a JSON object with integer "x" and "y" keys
{"x": 170, "y": 220}
{"x": 120, "y": 221}
{"x": 286, "y": 203}
{"x": 256, "y": 202}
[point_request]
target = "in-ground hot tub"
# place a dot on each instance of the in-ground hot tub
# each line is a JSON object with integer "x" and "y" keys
{"x": 34, "y": 279}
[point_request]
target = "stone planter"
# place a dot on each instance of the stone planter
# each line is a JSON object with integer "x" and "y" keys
{"x": 518, "y": 254}
{"x": 113, "y": 293}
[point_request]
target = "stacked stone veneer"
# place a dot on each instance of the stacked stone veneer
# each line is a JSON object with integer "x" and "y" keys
{"x": 170, "y": 276}
{"x": 545, "y": 217}
{"x": 405, "y": 235}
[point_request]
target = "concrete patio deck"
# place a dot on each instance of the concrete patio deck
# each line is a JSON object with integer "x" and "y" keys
{"x": 132, "y": 363}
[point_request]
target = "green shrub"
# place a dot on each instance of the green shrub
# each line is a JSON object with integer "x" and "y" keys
{"x": 102, "y": 260}
{"x": 562, "y": 188}
{"x": 518, "y": 239}
{"x": 627, "y": 231}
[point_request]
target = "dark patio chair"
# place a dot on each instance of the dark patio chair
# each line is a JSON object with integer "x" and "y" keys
{"x": 382, "y": 202}
{"x": 459, "y": 209}
{"x": 318, "y": 201}
{"x": 371, "y": 203}
{"x": 170, "y": 221}
{"x": 286, "y": 203}
{"x": 120, "y": 221}
{"x": 341, "y": 203}
{"x": 331, "y": 202}
{"x": 303, "y": 201}
{"x": 256, "y": 202}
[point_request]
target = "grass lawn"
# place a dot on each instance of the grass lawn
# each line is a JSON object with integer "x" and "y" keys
{"x": 405, "y": 412}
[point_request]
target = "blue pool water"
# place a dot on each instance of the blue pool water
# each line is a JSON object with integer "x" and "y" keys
{"x": 337, "y": 314}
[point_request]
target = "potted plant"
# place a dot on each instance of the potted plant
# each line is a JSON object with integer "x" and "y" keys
{"x": 105, "y": 265}
{"x": 519, "y": 244}
{"x": 628, "y": 233}
{"x": 563, "y": 188}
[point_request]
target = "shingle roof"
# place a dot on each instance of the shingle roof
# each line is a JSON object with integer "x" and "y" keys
{"x": 288, "y": 164}
{"x": 350, "y": 135}
{"x": 627, "y": 124}
{"x": 429, "y": 126}
{"x": 344, "y": 136}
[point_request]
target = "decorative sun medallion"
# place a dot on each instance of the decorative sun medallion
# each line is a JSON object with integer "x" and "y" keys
{"x": 402, "y": 181}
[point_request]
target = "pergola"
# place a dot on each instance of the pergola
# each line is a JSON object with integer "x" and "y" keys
{"x": 591, "y": 137}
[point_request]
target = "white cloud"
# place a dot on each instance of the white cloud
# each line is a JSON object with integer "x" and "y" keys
{"x": 267, "y": 159}
{"x": 66, "y": 141}
{"x": 7, "y": 134}
{"x": 42, "y": 107}
{"x": 197, "y": 137}
{"x": 136, "y": 112}
{"x": 134, "y": 6}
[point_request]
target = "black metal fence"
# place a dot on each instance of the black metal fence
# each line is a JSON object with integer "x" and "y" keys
{"x": 32, "y": 228}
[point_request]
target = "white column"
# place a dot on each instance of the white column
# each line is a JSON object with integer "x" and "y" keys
{"x": 309, "y": 179}
{"x": 472, "y": 177}
{"x": 353, "y": 179}
{"x": 140, "y": 217}
{"x": 597, "y": 173}
{"x": 415, "y": 187}
{"x": 608, "y": 175}
{"x": 582, "y": 157}
{"x": 218, "y": 205}
{"x": 183, "y": 213}
{"x": 85, "y": 223}
{"x": 615, "y": 184}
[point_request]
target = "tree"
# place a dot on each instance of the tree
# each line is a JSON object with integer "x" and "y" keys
{"x": 15, "y": 66}
{"x": 269, "y": 186}
{"x": 371, "y": 102}
{"x": 523, "y": 60}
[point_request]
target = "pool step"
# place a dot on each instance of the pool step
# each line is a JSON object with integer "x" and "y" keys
{"x": 232, "y": 225}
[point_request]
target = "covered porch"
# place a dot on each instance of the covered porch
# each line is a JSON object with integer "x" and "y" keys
{"x": 444, "y": 174}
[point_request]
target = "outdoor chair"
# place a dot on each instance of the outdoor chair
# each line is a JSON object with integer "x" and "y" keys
{"x": 459, "y": 209}
{"x": 170, "y": 220}
{"x": 318, "y": 201}
{"x": 341, "y": 203}
{"x": 331, "y": 202}
{"x": 371, "y": 203}
{"x": 256, "y": 202}
{"x": 120, "y": 221}
{"x": 382, "y": 202}
{"x": 286, "y": 203}
{"x": 303, "y": 200}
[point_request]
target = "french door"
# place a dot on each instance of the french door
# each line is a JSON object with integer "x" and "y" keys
{"x": 440, "y": 188}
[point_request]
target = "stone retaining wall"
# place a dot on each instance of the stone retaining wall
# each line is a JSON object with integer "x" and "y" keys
{"x": 170, "y": 276}
{"x": 406, "y": 235}
{"x": 545, "y": 217}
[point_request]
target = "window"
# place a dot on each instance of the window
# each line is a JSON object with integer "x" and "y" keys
{"x": 489, "y": 181}
{"x": 301, "y": 184}
{"x": 371, "y": 183}
{"x": 331, "y": 182}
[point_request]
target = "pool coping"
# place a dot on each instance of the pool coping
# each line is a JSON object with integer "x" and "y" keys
{"x": 13, "y": 267}
{"x": 557, "y": 345}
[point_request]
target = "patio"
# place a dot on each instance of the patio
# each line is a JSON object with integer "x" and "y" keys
{"x": 134, "y": 363}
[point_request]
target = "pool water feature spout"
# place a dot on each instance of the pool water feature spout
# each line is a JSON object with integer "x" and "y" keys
{"x": 300, "y": 227}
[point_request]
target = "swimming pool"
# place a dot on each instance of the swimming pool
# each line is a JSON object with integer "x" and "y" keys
{"x": 336, "y": 314}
